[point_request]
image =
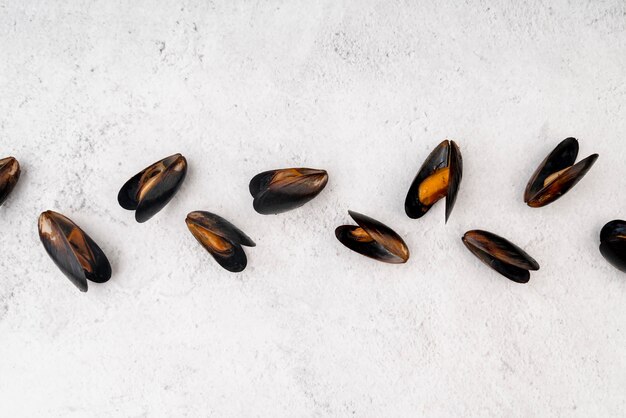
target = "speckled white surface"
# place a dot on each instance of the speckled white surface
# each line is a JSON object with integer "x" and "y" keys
{"x": 93, "y": 91}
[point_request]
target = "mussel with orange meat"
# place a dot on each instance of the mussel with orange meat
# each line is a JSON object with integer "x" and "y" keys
{"x": 613, "y": 243}
{"x": 72, "y": 250}
{"x": 151, "y": 189}
{"x": 373, "y": 239}
{"x": 501, "y": 255}
{"x": 439, "y": 177}
{"x": 557, "y": 174}
{"x": 9, "y": 175}
{"x": 220, "y": 238}
{"x": 278, "y": 191}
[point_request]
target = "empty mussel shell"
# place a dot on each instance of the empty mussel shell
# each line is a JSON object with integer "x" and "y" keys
{"x": 151, "y": 189}
{"x": 220, "y": 238}
{"x": 439, "y": 176}
{"x": 373, "y": 239}
{"x": 613, "y": 243}
{"x": 72, "y": 250}
{"x": 9, "y": 175}
{"x": 277, "y": 191}
{"x": 501, "y": 255}
{"x": 557, "y": 174}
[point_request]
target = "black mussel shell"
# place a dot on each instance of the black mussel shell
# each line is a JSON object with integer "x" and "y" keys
{"x": 562, "y": 158}
{"x": 446, "y": 154}
{"x": 613, "y": 243}
{"x": 278, "y": 191}
{"x": 373, "y": 239}
{"x": 9, "y": 175}
{"x": 72, "y": 250}
{"x": 220, "y": 238}
{"x": 500, "y": 254}
{"x": 151, "y": 189}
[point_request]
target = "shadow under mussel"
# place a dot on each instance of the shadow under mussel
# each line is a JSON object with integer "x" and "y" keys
{"x": 613, "y": 243}
{"x": 373, "y": 239}
{"x": 439, "y": 177}
{"x": 9, "y": 175}
{"x": 72, "y": 250}
{"x": 278, "y": 191}
{"x": 501, "y": 255}
{"x": 151, "y": 189}
{"x": 220, "y": 238}
{"x": 557, "y": 174}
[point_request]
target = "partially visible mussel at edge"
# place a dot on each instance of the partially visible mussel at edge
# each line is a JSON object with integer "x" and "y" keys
{"x": 9, "y": 175}
{"x": 613, "y": 243}
{"x": 220, "y": 238}
{"x": 151, "y": 189}
{"x": 277, "y": 191}
{"x": 557, "y": 174}
{"x": 373, "y": 239}
{"x": 501, "y": 255}
{"x": 72, "y": 250}
{"x": 439, "y": 176}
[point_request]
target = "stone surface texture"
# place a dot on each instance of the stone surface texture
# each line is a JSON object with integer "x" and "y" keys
{"x": 93, "y": 91}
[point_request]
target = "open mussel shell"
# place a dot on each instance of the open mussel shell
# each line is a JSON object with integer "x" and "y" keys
{"x": 613, "y": 243}
{"x": 278, "y": 191}
{"x": 557, "y": 174}
{"x": 501, "y": 255}
{"x": 9, "y": 175}
{"x": 72, "y": 250}
{"x": 151, "y": 189}
{"x": 220, "y": 238}
{"x": 373, "y": 239}
{"x": 440, "y": 176}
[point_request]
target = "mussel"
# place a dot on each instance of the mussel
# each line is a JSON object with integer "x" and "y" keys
{"x": 501, "y": 255}
{"x": 439, "y": 176}
{"x": 557, "y": 174}
{"x": 151, "y": 189}
{"x": 278, "y": 191}
{"x": 220, "y": 238}
{"x": 72, "y": 250}
{"x": 613, "y": 243}
{"x": 373, "y": 239}
{"x": 9, "y": 175}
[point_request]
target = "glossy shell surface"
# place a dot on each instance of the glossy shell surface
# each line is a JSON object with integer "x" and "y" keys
{"x": 220, "y": 238}
{"x": 501, "y": 255}
{"x": 277, "y": 191}
{"x": 72, "y": 250}
{"x": 151, "y": 189}
{"x": 373, "y": 239}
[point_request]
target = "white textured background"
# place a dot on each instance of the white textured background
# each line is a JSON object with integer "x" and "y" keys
{"x": 93, "y": 91}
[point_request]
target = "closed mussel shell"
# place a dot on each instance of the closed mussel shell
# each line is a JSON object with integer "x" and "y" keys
{"x": 557, "y": 174}
{"x": 500, "y": 254}
{"x": 373, "y": 239}
{"x": 220, "y": 238}
{"x": 72, "y": 250}
{"x": 9, "y": 175}
{"x": 613, "y": 243}
{"x": 278, "y": 191}
{"x": 151, "y": 189}
{"x": 439, "y": 176}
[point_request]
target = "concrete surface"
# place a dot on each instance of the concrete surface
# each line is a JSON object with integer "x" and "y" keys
{"x": 93, "y": 91}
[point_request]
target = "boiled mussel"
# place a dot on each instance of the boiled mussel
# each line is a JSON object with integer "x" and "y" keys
{"x": 613, "y": 243}
{"x": 373, "y": 239}
{"x": 9, "y": 175}
{"x": 220, "y": 238}
{"x": 439, "y": 177}
{"x": 72, "y": 250}
{"x": 501, "y": 255}
{"x": 278, "y": 191}
{"x": 557, "y": 174}
{"x": 151, "y": 189}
